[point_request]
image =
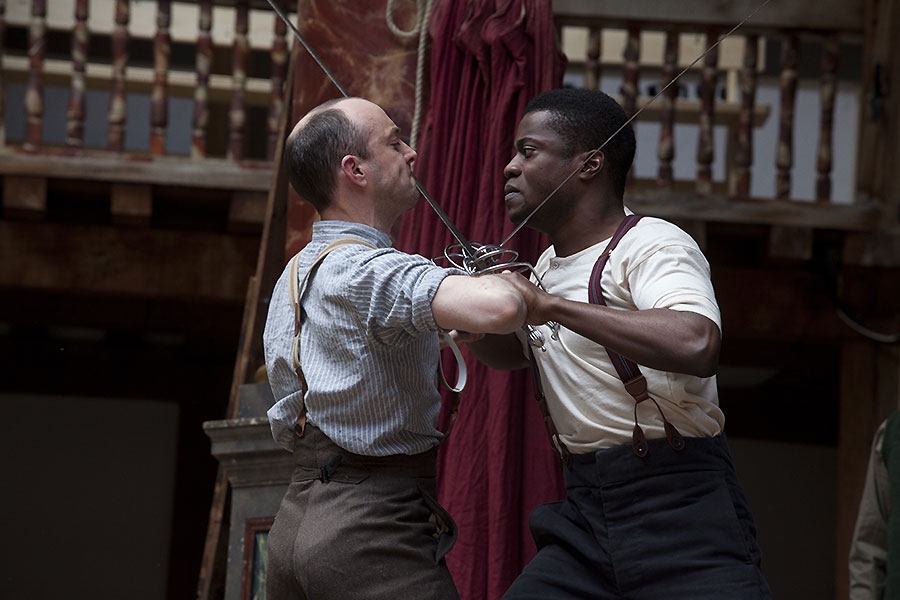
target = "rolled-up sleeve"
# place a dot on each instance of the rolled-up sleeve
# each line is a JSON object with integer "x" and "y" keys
{"x": 393, "y": 292}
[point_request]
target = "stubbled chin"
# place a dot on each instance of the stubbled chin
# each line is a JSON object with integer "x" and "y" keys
{"x": 515, "y": 213}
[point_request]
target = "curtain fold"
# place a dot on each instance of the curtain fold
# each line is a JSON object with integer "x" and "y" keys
{"x": 488, "y": 58}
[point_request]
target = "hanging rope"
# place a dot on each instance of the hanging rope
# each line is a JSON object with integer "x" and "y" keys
{"x": 421, "y": 29}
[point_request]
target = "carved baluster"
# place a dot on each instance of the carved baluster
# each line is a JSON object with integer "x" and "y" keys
{"x": 75, "y": 112}
{"x": 784, "y": 158}
{"x": 666, "y": 150}
{"x": 237, "y": 115}
{"x": 630, "y": 69}
{"x": 201, "y": 92}
{"x": 34, "y": 93}
{"x": 159, "y": 97}
{"x": 592, "y": 65}
{"x": 115, "y": 137}
{"x": 708, "y": 83}
{"x": 826, "y": 122}
{"x": 279, "y": 66}
{"x": 740, "y": 184}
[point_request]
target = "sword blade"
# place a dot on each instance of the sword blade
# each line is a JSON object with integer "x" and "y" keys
{"x": 454, "y": 230}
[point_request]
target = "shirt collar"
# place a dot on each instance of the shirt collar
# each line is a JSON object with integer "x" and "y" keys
{"x": 328, "y": 231}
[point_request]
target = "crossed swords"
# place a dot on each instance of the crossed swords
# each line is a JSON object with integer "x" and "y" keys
{"x": 481, "y": 258}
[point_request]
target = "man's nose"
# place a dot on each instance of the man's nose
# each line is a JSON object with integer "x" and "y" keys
{"x": 511, "y": 169}
{"x": 410, "y": 155}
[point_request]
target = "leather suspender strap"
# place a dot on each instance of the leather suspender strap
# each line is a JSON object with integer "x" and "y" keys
{"x": 296, "y": 289}
{"x": 564, "y": 455}
{"x": 628, "y": 370}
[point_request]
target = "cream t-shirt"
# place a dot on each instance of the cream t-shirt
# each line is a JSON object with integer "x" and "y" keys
{"x": 655, "y": 265}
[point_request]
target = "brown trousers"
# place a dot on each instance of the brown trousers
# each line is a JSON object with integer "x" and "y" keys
{"x": 359, "y": 527}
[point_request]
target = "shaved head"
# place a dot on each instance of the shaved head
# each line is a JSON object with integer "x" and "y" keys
{"x": 319, "y": 141}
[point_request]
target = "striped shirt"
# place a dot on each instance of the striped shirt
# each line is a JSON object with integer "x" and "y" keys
{"x": 368, "y": 346}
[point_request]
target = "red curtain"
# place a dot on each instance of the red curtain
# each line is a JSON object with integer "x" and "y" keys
{"x": 488, "y": 58}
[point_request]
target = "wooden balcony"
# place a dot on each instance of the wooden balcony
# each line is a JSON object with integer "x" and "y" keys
{"x": 636, "y": 48}
{"x": 191, "y": 95}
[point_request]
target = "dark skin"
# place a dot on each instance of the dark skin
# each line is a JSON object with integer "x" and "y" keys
{"x": 585, "y": 212}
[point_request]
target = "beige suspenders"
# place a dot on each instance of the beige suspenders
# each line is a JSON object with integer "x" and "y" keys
{"x": 295, "y": 290}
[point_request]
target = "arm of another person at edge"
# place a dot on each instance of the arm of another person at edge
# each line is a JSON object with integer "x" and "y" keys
{"x": 486, "y": 304}
{"x": 869, "y": 549}
{"x": 658, "y": 338}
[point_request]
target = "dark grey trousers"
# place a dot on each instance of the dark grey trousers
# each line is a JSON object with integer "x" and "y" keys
{"x": 670, "y": 525}
{"x": 365, "y": 527}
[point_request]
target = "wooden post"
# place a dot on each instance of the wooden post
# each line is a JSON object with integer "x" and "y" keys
{"x": 705, "y": 146}
{"x": 826, "y": 122}
{"x": 75, "y": 112}
{"x": 131, "y": 204}
{"x": 869, "y": 393}
{"x": 864, "y": 400}
{"x": 24, "y": 197}
{"x": 201, "y": 92}
{"x": 159, "y": 98}
{"x": 276, "y": 106}
{"x": 630, "y": 71}
{"x": 34, "y": 93}
{"x": 592, "y": 66}
{"x": 2, "y": 82}
{"x": 666, "y": 150}
{"x": 740, "y": 177}
{"x": 270, "y": 262}
{"x": 115, "y": 137}
{"x": 784, "y": 156}
{"x": 237, "y": 115}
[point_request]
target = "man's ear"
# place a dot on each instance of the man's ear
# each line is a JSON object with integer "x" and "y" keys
{"x": 351, "y": 167}
{"x": 593, "y": 166}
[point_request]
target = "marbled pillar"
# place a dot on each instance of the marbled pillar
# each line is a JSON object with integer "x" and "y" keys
{"x": 352, "y": 38}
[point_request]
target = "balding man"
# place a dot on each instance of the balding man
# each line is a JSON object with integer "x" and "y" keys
{"x": 352, "y": 351}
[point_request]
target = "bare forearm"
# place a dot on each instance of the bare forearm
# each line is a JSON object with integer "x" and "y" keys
{"x": 484, "y": 304}
{"x": 663, "y": 339}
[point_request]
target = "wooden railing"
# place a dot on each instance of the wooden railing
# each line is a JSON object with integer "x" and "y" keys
{"x": 830, "y": 27}
{"x": 100, "y": 59}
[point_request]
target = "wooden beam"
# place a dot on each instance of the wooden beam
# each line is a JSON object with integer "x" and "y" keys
{"x": 210, "y": 319}
{"x": 24, "y": 197}
{"x": 131, "y": 204}
{"x": 878, "y": 158}
{"x": 138, "y": 168}
{"x": 833, "y": 15}
{"x": 791, "y": 242}
{"x": 776, "y": 305}
{"x": 95, "y": 259}
{"x": 875, "y": 249}
{"x": 247, "y": 211}
{"x": 842, "y": 217}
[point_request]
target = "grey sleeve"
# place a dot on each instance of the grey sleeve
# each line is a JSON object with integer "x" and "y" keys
{"x": 868, "y": 551}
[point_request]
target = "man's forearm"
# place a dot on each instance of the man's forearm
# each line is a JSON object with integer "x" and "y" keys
{"x": 663, "y": 339}
{"x": 486, "y": 304}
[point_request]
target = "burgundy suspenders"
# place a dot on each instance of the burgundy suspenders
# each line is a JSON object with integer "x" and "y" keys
{"x": 628, "y": 371}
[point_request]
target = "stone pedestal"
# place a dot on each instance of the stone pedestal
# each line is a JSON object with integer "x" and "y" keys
{"x": 258, "y": 472}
